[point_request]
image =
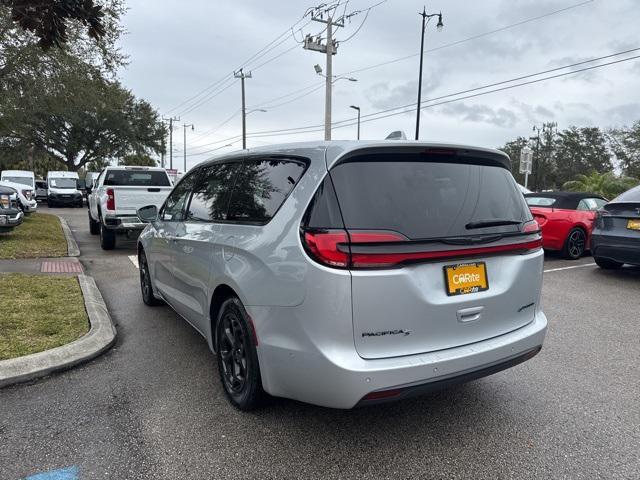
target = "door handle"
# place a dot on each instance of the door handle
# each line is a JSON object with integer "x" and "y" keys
{"x": 468, "y": 315}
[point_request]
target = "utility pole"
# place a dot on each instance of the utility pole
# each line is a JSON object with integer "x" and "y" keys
{"x": 329, "y": 49}
{"x": 439, "y": 26}
{"x": 185, "y": 144}
{"x": 241, "y": 75}
{"x": 171, "y": 120}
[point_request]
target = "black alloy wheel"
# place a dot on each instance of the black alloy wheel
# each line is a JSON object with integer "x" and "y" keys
{"x": 145, "y": 282}
{"x": 237, "y": 356}
{"x": 575, "y": 244}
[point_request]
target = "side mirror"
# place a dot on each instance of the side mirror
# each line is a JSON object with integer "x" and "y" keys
{"x": 88, "y": 189}
{"x": 148, "y": 214}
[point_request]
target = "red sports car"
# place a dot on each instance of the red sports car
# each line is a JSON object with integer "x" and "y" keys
{"x": 566, "y": 219}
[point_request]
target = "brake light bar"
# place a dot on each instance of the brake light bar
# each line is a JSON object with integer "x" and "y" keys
{"x": 335, "y": 248}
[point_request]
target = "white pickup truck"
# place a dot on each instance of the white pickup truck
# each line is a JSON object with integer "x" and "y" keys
{"x": 116, "y": 195}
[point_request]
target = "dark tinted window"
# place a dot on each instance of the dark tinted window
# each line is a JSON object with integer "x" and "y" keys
{"x": 632, "y": 195}
{"x": 210, "y": 199}
{"x": 423, "y": 199}
{"x": 136, "y": 178}
{"x": 174, "y": 206}
{"x": 323, "y": 211}
{"x": 261, "y": 187}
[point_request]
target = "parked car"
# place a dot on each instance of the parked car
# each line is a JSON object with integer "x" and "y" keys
{"x": 616, "y": 235}
{"x": 566, "y": 220}
{"x": 24, "y": 177}
{"x": 26, "y": 200}
{"x": 10, "y": 215}
{"x": 41, "y": 190}
{"x": 350, "y": 273}
{"x": 117, "y": 194}
{"x": 62, "y": 189}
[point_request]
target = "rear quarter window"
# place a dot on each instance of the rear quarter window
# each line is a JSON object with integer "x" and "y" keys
{"x": 261, "y": 187}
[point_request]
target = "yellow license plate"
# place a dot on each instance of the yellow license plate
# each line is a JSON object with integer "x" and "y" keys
{"x": 633, "y": 224}
{"x": 466, "y": 278}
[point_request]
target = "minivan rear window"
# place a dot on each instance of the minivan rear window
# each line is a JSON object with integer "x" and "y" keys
{"x": 136, "y": 178}
{"x": 424, "y": 199}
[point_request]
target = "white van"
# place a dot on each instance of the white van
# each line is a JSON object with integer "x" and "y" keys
{"x": 62, "y": 189}
{"x": 23, "y": 177}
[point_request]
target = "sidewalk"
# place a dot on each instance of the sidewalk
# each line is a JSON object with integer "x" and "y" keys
{"x": 45, "y": 266}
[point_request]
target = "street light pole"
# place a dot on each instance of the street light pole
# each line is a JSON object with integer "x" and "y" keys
{"x": 439, "y": 26}
{"x": 355, "y": 107}
{"x": 185, "y": 144}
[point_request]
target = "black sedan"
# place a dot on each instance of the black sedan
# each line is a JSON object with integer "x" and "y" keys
{"x": 10, "y": 215}
{"x": 616, "y": 235}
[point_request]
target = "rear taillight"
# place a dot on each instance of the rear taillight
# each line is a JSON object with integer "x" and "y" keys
{"x": 367, "y": 249}
{"x": 328, "y": 247}
{"x": 111, "y": 199}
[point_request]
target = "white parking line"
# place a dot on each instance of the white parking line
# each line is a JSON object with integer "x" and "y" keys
{"x": 569, "y": 268}
{"x": 134, "y": 260}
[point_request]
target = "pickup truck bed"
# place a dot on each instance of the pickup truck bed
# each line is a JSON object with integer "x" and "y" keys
{"x": 119, "y": 192}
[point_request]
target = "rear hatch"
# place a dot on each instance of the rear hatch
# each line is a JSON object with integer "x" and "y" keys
{"x": 440, "y": 245}
{"x": 619, "y": 218}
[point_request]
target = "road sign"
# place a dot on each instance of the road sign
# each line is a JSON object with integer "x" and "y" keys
{"x": 526, "y": 160}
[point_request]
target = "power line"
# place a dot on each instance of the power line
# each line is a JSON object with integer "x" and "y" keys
{"x": 391, "y": 112}
{"x": 468, "y": 39}
{"x": 458, "y": 42}
{"x": 252, "y": 58}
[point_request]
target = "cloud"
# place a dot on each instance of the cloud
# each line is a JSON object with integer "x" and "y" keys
{"x": 383, "y": 95}
{"x": 624, "y": 114}
{"x": 501, "y": 117}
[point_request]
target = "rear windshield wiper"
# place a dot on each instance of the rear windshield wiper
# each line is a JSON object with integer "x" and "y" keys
{"x": 491, "y": 223}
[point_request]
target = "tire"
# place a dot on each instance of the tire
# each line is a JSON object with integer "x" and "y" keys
{"x": 574, "y": 245}
{"x": 146, "y": 287}
{"x": 107, "y": 238}
{"x": 607, "y": 264}
{"x": 51, "y": 204}
{"x": 237, "y": 357}
{"x": 94, "y": 227}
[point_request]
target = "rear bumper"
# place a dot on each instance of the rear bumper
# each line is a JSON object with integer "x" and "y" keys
{"x": 341, "y": 379}
{"x": 617, "y": 248}
{"x": 123, "y": 223}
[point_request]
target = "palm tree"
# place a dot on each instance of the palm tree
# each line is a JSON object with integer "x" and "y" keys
{"x": 606, "y": 184}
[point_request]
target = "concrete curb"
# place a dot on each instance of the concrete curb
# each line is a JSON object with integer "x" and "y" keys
{"x": 72, "y": 246}
{"x": 99, "y": 339}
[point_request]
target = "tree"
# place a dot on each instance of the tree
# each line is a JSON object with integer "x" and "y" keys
{"x": 625, "y": 144}
{"x": 47, "y": 19}
{"x": 138, "y": 159}
{"x": 606, "y": 184}
{"x": 579, "y": 151}
{"x": 77, "y": 116}
{"x": 513, "y": 149}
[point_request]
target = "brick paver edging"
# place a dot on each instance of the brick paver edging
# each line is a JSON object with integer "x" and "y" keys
{"x": 101, "y": 336}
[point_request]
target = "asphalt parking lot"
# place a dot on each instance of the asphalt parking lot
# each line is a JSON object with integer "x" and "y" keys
{"x": 152, "y": 407}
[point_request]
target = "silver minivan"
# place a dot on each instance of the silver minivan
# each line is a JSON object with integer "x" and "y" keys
{"x": 350, "y": 273}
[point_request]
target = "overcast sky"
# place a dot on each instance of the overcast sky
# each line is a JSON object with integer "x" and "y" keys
{"x": 177, "y": 51}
